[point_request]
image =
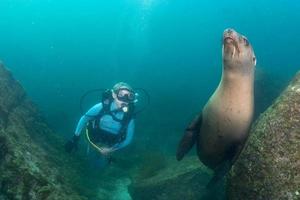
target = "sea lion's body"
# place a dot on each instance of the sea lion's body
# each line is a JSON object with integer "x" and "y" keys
{"x": 223, "y": 125}
{"x": 226, "y": 119}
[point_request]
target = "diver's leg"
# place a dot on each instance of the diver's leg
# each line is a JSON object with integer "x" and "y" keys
{"x": 97, "y": 160}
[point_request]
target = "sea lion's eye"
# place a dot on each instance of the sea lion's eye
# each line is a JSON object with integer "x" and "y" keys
{"x": 246, "y": 41}
{"x": 254, "y": 60}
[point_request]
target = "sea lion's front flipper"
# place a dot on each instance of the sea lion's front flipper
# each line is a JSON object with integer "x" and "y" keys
{"x": 189, "y": 138}
{"x": 220, "y": 172}
{"x": 222, "y": 169}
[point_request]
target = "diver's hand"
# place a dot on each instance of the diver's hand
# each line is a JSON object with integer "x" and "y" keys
{"x": 106, "y": 151}
{"x": 72, "y": 144}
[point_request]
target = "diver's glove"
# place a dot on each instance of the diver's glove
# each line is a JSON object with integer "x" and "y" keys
{"x": 72, "y": 144}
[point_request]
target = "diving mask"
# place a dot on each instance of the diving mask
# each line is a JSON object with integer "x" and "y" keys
{"x": 126, "y": 95}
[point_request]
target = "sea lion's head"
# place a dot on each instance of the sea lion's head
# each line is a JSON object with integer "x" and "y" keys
{"x": 237, "y": 51}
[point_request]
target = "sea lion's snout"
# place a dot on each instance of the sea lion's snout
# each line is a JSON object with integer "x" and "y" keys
{"x": 237, "y": 49}
{"x": 230, "y": 43}
{"x": 229, "y": 35}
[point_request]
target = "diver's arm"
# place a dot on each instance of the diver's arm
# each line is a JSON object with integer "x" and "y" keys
{"x": 129, "y": 136}
{"x": 90, "y": 114}
{"x": 72, "y": 144}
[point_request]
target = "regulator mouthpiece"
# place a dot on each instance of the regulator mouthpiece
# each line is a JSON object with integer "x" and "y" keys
{"x": 125, "y": 108}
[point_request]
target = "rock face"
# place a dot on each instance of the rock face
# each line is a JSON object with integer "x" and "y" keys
{"x": 177, "y": 181}
{"x": 269, "y": 165}
{"x": 28, "y": 167}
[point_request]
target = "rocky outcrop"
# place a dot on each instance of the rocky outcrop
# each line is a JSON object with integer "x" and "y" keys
{"x": 269, "y": 165}
{"x": 176, "y": 181}
{"x": 28, "y": 166}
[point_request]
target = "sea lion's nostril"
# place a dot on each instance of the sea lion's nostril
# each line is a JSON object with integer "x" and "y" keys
{"x": 229, "y": 31}
{"x": 246, "y": 41}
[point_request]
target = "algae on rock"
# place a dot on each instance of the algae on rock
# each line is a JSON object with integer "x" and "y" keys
{"x": 26, "y": 169}
{"x": 175, "y": 181}
{"x": 269, "y": 165}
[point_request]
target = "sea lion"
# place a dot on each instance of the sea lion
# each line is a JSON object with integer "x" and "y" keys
{"x": 222, "y": 127}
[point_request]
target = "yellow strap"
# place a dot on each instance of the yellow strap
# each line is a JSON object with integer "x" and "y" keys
{"x": 93, "y": 144}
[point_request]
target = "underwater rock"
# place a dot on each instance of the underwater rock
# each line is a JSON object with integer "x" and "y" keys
{"x": 269, "y": 165}
{"x": 176, "y": 181}
{"x": 26, "y": 169}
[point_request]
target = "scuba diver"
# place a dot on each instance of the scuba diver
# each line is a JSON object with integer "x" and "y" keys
{"x": 110, "y": 124}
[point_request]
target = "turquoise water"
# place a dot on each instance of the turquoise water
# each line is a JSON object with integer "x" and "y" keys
{"x": 59, "y": 49}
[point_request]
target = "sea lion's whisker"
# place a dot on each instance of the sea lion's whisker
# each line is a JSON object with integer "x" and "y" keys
{"x": 233, "y": 53}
